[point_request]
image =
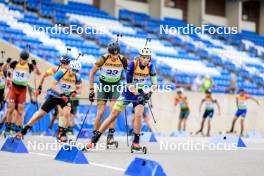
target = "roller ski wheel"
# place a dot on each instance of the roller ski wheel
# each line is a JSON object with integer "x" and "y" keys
{"x": 137, "y": 147}
{"x": 8, "y": 134}
{"x": 62, "y": 139}
{"x": 111, "y": 142}
{"x": 88, "y": 146}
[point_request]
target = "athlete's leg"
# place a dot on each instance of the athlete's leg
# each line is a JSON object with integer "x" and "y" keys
{"x": 54, "y": 116}
{"x": 184, "y": 121}
{"x": 100, "y": 113}
{"x": 180, "y": 124}
{"x": 202, "y": 126}
{"x": 233, "y": 124}
{"x": 209, "y": 127}
{"x": 242, "y": 126}
{"x": 62, "y": 132}
{"x": 20, "y": 115}
{"x": 147, "y": 120}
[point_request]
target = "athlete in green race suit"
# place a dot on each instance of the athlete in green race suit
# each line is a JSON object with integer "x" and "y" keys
{"x": 111, "y": 66}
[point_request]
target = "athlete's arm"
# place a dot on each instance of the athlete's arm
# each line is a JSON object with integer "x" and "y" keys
{"x": 13, "y": 64}
{"x": 200, "y": 106}
{"x": 78, "y": 85}
{"x": 6, "y": 65}
{"x": 254, "y": 99}
{"x": 98, "y": 64}
{"x": 48, "y": 73}
{"x": 129, "y": 75}
{"x": 91, "y": 76}
{"x": 153, "y": 77}
{"x": 218, "y": 107}
{"x": 176, "y": 101}
{"x": 33, "y": 67}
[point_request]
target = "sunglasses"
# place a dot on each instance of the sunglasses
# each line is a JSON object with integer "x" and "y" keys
{"x": 145, "y": 57}
{"x": 74, "y": 70}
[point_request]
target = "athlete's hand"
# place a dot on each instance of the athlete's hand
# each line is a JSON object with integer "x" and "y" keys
{"x": 147, "y": 96}
{"x": 36, "y": 93}
{"x": 91, "y": 95}
{"x": 140, "y": 97}
{"x": 8, "y": 82}
{"x": 34, "y": 62}
{"x": 8, "y": 60}
{"x": 74, "y": 94}
{"x": 39, "y": 89}
{"x": 65, "y": 98}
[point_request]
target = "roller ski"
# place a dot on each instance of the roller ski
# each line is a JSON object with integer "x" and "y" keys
{"x": 111, "y": 142}
{"x": 62, "y": 135}
{"x": 110, "y": 139}
{"x": 137, "y": 147}
{"x": 199, "y": 132}
{"x": 10, "y": 133}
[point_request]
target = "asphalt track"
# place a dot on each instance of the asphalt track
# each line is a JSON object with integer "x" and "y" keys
{"x": 113, "y": 162}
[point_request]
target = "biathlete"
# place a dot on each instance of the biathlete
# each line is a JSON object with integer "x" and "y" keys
{"x": 111, "y": 66}
{"x": 64, "y": 66}
{"x": 66, "y": 85}
{"x": 241, "y": 110}
{"x": 137, "y": 73}
{"x": 209, "y": 102}
{"x": 182, "y": 101}
{"x": 21, "y": 71}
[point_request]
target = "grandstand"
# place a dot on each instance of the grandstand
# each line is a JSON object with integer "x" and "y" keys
{"x": 49, "y": 27}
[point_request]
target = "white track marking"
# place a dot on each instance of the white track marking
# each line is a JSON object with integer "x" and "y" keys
{"x": 106, "y": 166}
{"x": 91, "y": 163}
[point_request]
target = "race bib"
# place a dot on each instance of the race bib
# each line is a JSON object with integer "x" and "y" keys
{"x": 64, "y": 87}
{"x": 20, "y": 77}
{"x": 110, "y": 75}
{"x": 242, "y": 105}
{"x": 209, "y": 105}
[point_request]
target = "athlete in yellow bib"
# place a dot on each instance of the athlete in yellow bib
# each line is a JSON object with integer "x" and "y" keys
{"x": 181, "y": 99}
{"x": 209, "y": 102}
{"x": 111, "y": 66}
{"x": 64, "y": 66}
{"x": 135, "y": 92}
{"x": 241, "y": 110}
{"x": 21, "y": 71}
{"x": 64, "y": 87}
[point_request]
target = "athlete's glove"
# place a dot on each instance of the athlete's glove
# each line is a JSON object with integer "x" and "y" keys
{"x": 73, "y": 94}
{"x": 38, "y": 91}
{"x": 34, "y": 62}
{"x": 65, "y": 98}
{"x": 147, "y": 96}
{"x": 91, "y": 95}
{"x": 8, "y": 60}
